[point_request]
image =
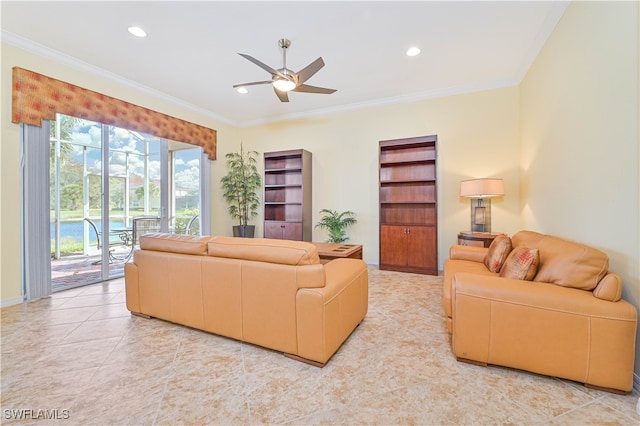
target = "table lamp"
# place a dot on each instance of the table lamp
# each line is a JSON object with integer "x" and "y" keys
{"x": 480, "y": 191}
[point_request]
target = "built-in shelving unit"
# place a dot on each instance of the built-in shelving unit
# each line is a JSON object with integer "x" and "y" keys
{"x": 287, "y": 195}
{"x": 408, "y": 205}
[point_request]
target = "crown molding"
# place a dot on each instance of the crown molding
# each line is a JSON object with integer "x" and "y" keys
{"x": 395, "y": 100}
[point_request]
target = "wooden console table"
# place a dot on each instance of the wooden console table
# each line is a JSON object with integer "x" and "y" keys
{"x": 330, "y": 251}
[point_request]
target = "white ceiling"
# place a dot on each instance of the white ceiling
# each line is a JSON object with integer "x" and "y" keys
{"x": 190, "y": 54}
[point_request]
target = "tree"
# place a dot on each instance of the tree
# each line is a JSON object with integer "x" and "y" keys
{"x": 241, "y": 185}
{"x": 71, "y": 196}
{"x": 67, "y": 126}
{"x": 154, "y": 192}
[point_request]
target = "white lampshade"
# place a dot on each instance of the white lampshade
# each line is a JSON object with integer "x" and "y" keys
{"x": 284, "y": 85}
{"x": 482, "y": 188}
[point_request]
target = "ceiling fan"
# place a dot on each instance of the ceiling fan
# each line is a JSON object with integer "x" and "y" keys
{"x": 285, "y": 80}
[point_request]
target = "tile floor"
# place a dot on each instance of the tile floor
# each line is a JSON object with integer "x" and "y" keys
{"x": 80, "y": 356}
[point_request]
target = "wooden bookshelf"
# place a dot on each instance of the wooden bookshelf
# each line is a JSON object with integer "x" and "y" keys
{"x": 287, "y": 195}
{"x": 408, "y": 205}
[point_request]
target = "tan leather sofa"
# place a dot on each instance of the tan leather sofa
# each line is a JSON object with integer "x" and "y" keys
{"x": 272, "y": 293}
{"x": 569, "y": 322}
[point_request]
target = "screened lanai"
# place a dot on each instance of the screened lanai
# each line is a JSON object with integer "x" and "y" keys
{"x": 92, "y": 219}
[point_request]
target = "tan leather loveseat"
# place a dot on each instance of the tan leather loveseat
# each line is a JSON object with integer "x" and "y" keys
{"x": 569, "y": 322}
{"x": 272, "y": 293}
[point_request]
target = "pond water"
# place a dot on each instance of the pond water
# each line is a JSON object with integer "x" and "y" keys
{"x": 73, "y": 230}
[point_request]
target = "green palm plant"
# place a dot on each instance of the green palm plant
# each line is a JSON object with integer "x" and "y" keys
{"x": 240, "y": 185}
{"x": 336, "y": 223}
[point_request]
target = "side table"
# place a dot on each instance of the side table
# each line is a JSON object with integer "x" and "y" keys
{"x": 330, "y": 251}
{"x": 478, "y": 239}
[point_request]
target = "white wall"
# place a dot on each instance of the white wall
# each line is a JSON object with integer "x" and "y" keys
{"x": 478, "y": 136}
{"x": 580, "y": 136}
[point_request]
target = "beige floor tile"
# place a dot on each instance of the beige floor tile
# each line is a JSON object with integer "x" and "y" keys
{"x": 219, "y": 402}
{"x": 595, "y": 413}
{"x": 99, "y": 329}
{"x": 112, "y": 310}
{"x": 82, "y": 301}
{"x": 68, "y": 315}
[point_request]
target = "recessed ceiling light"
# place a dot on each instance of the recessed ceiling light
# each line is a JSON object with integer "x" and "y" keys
{"x": 243, "y": 90}
{"x": 413, "y": 51}
{"x": 137, "y": 31}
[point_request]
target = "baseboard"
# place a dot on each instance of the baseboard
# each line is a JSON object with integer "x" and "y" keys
{"x": 10, "y": 302}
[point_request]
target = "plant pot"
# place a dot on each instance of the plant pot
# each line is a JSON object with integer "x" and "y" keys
{"x": 245, "y": 231}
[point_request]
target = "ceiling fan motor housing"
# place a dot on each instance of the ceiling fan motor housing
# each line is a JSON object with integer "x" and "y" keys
{"x": 284, "y": 43}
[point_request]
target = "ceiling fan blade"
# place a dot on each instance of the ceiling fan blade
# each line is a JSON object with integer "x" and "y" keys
{"x": 262, "y": 65}
{"x": 307, "y": 72}
{"x": 282, "y": 95}
{"x": 254, "y": 83}
{"x": 313, "y": 89}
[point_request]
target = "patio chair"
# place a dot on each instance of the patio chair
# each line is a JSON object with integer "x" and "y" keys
{"x": 100, "y": 239}
{"x": 193, "y": 226}
{"x": 144, "y": 225}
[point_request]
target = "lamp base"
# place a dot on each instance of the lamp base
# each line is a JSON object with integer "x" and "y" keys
{"x": 480, "y": 215}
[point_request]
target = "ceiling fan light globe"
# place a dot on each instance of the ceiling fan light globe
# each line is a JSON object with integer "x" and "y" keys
{"x": 284, "y": 85}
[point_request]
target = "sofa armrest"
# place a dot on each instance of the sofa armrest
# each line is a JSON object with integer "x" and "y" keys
{"x": 473, "y": 253}
{"x": 327, "y": 315}
{"x": 609, "y": 288}
{"x": 544, "y": 328}
{"x": 132, "y": 287}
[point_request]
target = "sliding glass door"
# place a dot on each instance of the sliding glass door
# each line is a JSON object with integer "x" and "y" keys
{"x": 101, "y": 179}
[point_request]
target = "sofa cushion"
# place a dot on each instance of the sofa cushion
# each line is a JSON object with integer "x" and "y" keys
{"x": 174, "y": 243}
{"x": 521, "y": 264}
{"x": 564, "y": 262}
{"x": 284, "y": 252}
{"x": 498, "y": 251}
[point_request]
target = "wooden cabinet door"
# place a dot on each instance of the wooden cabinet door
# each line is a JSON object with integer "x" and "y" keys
{"x": 393, "y": 247}
{"x": 273, "y": 229}
{"x": 292, "y": 231}
{"x": 421, "y": 247}
{"x": 281, "y": 230}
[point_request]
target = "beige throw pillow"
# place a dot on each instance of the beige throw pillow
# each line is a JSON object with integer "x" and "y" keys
{"x": 498, "y": 251}
{"x": 521, "y": 264}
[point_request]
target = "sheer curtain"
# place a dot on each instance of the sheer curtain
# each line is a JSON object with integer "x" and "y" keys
{"x": 35, "y": 250}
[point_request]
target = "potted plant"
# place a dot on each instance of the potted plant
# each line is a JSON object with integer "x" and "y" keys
{"x": 336, "y": 223}
{"x": 240, "y": 187}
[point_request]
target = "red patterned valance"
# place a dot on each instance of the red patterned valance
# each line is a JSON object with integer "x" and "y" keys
{"x": 37, "y": 97}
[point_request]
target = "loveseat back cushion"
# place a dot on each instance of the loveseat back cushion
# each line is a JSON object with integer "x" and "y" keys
{"x": 175, "y": 243}
{"x": 609, "y": 288}
{"x": 283, "y": 252}
{"x": 565, "y": 263}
